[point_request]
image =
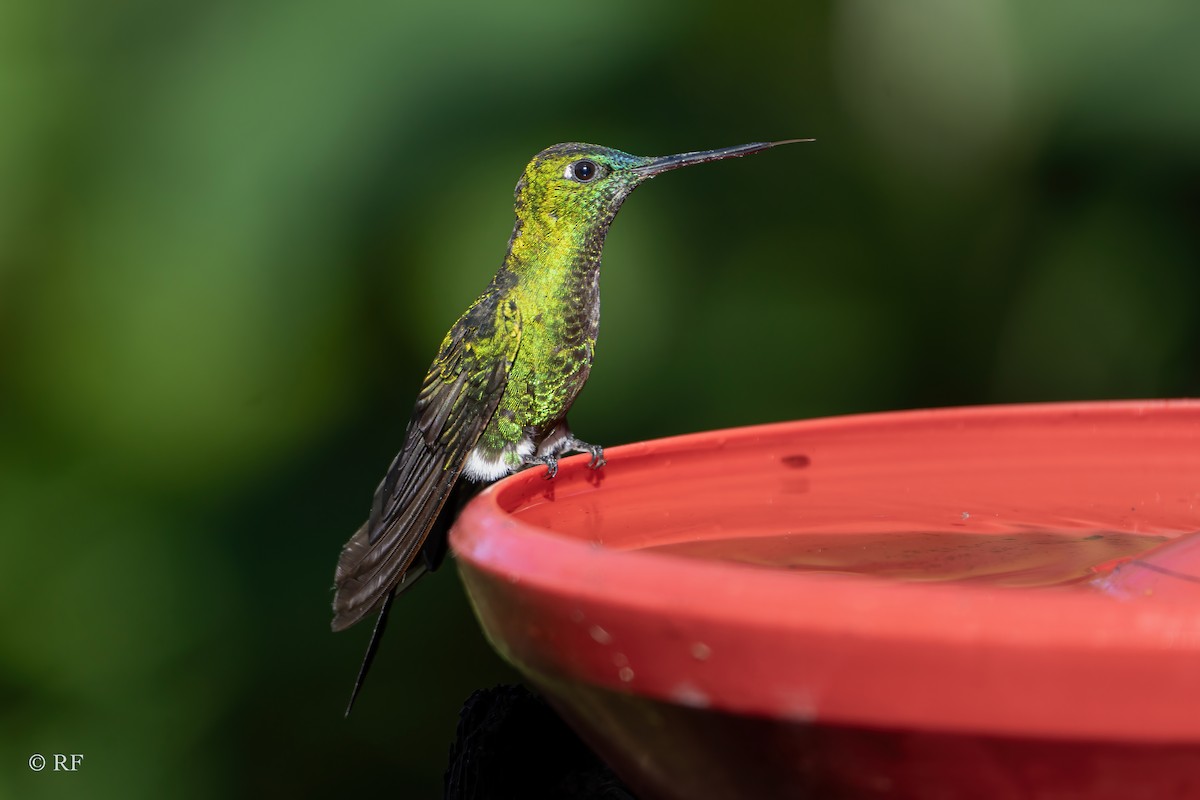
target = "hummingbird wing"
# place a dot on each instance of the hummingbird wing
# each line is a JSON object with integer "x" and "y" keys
{"x": 457, "y": 400}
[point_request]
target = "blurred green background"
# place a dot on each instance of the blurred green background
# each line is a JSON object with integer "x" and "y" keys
{"x": 232, "y": 236}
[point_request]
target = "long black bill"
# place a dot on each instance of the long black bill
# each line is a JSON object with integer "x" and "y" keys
{"x": 700, "y": 157}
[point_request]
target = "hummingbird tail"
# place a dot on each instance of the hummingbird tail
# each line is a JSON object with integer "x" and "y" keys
{"x": 432, "y": 554}
{"x": 369, "y": 657}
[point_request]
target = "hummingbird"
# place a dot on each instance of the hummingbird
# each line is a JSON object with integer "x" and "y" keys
{"x": 496, "y": 398}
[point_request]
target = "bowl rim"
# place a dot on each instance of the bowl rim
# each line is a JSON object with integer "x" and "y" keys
{"x": 1009, "y": 661}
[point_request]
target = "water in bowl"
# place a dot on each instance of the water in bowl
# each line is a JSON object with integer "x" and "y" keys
{"x": 1017, "y": 558}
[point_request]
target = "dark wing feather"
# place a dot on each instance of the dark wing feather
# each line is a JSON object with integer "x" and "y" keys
{"x": 456, "y": 403}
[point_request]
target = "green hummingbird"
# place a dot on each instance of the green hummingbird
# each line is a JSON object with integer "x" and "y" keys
{"x": 497, "y": 395}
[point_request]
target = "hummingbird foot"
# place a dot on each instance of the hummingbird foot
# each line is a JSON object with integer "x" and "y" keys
{"x": 595, "y": 450}
{"x": 568, "y": 445}
{"x": 551, "y": 462}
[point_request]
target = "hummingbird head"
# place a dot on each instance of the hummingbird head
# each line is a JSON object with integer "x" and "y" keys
{"x": 575, "y": 184}
{"x": 583, "y": 185}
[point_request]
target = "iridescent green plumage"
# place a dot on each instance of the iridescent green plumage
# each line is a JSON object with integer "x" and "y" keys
{"x": 497, "y": 396}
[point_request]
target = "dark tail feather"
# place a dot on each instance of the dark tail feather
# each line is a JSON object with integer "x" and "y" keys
{"x": 433, "y": 553}
{"x": 376, "y": 636}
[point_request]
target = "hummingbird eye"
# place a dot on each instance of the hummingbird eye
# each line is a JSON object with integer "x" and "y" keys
{"x": 582, "y": 171}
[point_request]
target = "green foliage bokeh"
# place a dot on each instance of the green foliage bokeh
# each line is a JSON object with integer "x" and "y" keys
{"x": 232, "y": 235}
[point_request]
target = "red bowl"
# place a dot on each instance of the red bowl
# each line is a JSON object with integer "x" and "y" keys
{"x": 995, "y": 602}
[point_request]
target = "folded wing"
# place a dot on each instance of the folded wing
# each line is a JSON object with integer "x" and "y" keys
{"x": 458, "y": 399}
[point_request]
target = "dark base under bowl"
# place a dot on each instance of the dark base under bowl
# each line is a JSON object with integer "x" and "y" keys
{"x": 771, "y": 758}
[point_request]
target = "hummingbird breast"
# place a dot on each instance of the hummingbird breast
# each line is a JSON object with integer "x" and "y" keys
{"x": 558, "y": 340}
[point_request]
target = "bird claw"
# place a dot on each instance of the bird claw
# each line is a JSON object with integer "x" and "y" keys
{"x": 598, "y": 459}
{"x": 596, "y": 451}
